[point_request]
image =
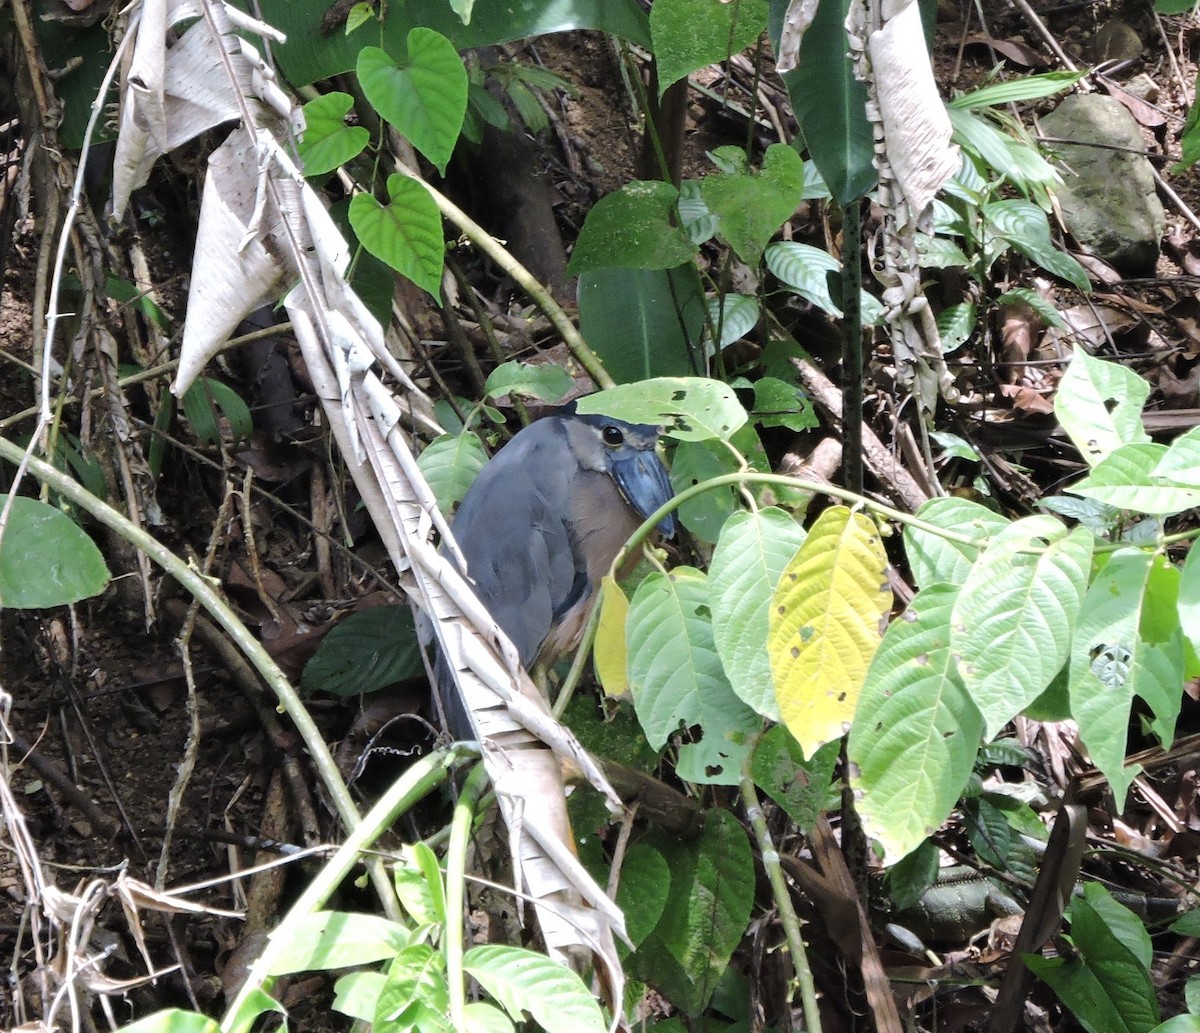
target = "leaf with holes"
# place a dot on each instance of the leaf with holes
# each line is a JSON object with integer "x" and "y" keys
{"x": 1126, "y": 479}
{"x": 752, "y": 553}
{"x": 1012, "y": 622}
{"x": 934, "y": 559}
{"x": 826, "y": 621}
{"x": 677, "y": 679}
{"x": 916, "y": 732}
{"x": 1127, "y": 642}
{"x": 687, "y": 408}
{"x": 424, "y": 96}
{"x": 1099, "y": 405}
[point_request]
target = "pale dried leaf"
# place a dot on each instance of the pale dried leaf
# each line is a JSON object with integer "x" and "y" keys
{"x": 796, "y": 20}
{"x": 915, "y": 124}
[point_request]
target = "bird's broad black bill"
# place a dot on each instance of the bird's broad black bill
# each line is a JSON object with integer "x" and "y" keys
{"x": 643, "y": 481}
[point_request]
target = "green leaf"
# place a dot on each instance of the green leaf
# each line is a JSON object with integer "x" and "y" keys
{"x": 801, "y": 787}
{"x": 1181, "y": 464}
{"x": 355, "y": 994}
{"x": 522, "y": 981}
{"x": 1118, "y": 651}
{"x": 712, "y": 892}
{"x": 1187, "y": 924}
{"x": 1099, "y": 405}
{"x": 406, "y": 233}
{"x": 696, "y": 461}
{"x": 366, "y": 652}
{"x": 1012, "y": 624}
{"x": 750, "y": 207}
{"x": 204, "y": 400}
{"x": 690, "y": 34}
{"x": 643, "y": 322}
{"x": 1126, "y": 479}
{"x": 955, "y": 325}
{"x": 1043, "y": 307}
{"x": 311, "y": 53}
{"x": 687, "y": 408}
{"x": 328, "y": 141}
{"x": 676, "y": 677}
{"x": 1025, "y": 87}
{"x": 698, "y": 222}
{"x": 631, "y": 228}
{"x": 484, "y": 1017}
{"x": 424, "y": 97}
{"x": 643, "y": 891}
{"x": 1023, "y": 225}
{"x": 173, "y": 1020}
{"x": 1121, "y": 922}
{"x": 450, "y": 464}
{"x": 335, "y": 939}
{"x": 735, "y": 315}
{"x": 753, "y": 551}
{"x": 932, "y": 558}
{"x": 1105, "y": 986}
{"x": 805, "y": 270}
{"x": 1179, "y": 1023}
{"x": 916, "y": 732}
{"x": 46, "y": 559}
{"x": 542, "y": 380}
{"x": 780, "y": 404}
{"x": 359, "y": 15}
{"x": 415, "y": 996}
{"x": 1189, "y": 599}
{"x": 419, "y": 886}
{"x": 830, "y": 102}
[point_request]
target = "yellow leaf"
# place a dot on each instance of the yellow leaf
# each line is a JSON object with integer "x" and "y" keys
{"x": 609, "y": 653}
{"x": 827, "y": 618}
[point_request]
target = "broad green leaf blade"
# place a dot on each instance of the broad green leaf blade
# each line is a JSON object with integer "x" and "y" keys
{"x": 751, "y": 206}
{"x": 312, "y": 53}
{"x": 830, "y": 102}
{"x": 696, "y": 461}
{"x": 1013, "y": 621}
{"x": 1189, "y": 598}
{"x": 424, "y": 96}
{"x": 733, "y": 315}
{"x": 46, "y": 559}
{"x": 644, "y": 890}
{"x": 365, "y": 652}
{"x": 1111, "y": 660}
{"x": 780, "y": 404}
{"x": 542, "y": 380}
{"x": 643, "y": 322}
{"x": 631, "y": 228}
{"x": 1026, "y": 87}
{"x": 337, "y": 939}
{"x": 677, "y": 679}
{"x": 803, "y": 788}
{"x": 690, "y": 34}
{"x": 484, "y": 1017}
{"x": 712, "y": 892}
{"x": 523, "y": 981}
{"x": 328, "y": 141}
{"x": 687, "y": 408}
{"x": 826, "y": 619}
{"x": 1126, "y": 479}
{"x": 1099, "y": 405}
{"x": 753, "y": 551}
{"x": 935, "y": 560}
{"x": 406, "y": 233}
{"x": 1121, "y": 922}
{"x": 698, "y": 222}
{"x": 415, "y": 995}
{"x": 205, "y": 399}
{"x": 355, "y": 994}
{"x": 1023, "y": 225}
{"x": 916, "y": 732}
{"x": 450, "y": 465}
{"x": 609, "y": 653}
{"x": 1181, "y": 464}
{"x": 419, "y": 887}
{"x": 955, "y": 324}
{"x": 806, "y": 270}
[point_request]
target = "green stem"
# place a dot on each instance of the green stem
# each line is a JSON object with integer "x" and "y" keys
{"x": 783, "y": 899}
{"x": 544, "y": 300}
{"x": 456, "y": 873}
{"x": 206, "y": 595}
{"x": 409, "y": 788}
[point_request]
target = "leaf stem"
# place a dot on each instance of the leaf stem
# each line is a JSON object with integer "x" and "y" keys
{"x": 456, "y": 872}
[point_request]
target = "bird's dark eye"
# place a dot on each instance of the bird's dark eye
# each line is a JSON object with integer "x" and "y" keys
{"x": 612, "y": 436}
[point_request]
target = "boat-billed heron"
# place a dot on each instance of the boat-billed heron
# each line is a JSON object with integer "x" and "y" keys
{"x": 543, "y": 522}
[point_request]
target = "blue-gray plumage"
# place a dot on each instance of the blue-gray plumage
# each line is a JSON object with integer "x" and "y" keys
{"x": 543, "y": 522}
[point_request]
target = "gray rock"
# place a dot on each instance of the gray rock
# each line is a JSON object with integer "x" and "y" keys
{"x": 1108, "y": 202}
